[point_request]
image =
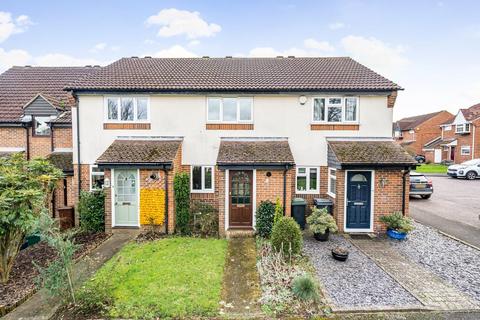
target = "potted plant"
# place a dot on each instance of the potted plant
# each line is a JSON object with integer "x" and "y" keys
{"x": 321, "y": 223}
{"x": 397, "y": 225}
{"x": 340, "y": 253}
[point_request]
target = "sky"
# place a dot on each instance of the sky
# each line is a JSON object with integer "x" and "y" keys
{"x": 430, "y": 48}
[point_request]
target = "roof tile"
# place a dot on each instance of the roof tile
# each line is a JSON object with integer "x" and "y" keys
{"x": 140, "y": 151}
{"x": 254, "y": 152}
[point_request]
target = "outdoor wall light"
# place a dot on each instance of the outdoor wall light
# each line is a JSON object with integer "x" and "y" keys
{"x": 383, "y": 182}
{"x": 302, "y": 100}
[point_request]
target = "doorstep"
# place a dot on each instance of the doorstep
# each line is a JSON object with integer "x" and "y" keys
{"x": 240, "y": 233}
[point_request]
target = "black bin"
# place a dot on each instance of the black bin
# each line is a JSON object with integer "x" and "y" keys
{"x": 321, "y": 203}
{"x": 299, "y": 207}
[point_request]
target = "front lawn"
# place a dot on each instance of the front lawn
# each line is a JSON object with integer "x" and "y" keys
{"x": 173, "y": 277}
{"x": 432, "y": 168}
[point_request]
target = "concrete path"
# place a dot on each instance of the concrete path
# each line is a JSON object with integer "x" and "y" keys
{"x": 241, "y": 283}
{"x": 42, "y": 306}
{"x": 428, "y": 288}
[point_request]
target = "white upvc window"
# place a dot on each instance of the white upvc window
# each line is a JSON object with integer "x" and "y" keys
{"x": 447, "y": 128}
{"x": 335, "y": 109}
{"x": 202, "y": 179}
{"x": 230, "y": 110}
{"x": 127, "y": 109}
{"x": 97, "y": 178}
{"x": 307, "y": 180}
{"x": 462, "y": 128}
{"x": 332, "y": 182}
{"x": 465, "y": 150}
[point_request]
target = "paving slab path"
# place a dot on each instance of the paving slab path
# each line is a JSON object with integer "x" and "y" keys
{"x": 427, "y": 287}
{"x": 42, "y": 306}
{"x": 241, "y": 284}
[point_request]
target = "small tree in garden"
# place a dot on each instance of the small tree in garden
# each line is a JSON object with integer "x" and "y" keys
{"x": 181, "y": 186}
{"x": 265, "y": 217}
{"x": 25, "y": 191}
{"x": 287, "y": 237}
{"x": 57, "y": 277}
{"x": 278, "y": 211}
{"x": 91, "y": 208}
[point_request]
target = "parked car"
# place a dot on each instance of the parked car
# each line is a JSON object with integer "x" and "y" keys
{"x": 419, "y": 158}
{"x": 420, "y": 185}
{"x": 469, "y": 170}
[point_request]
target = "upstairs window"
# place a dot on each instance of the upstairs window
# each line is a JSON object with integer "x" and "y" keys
{"x": 202, "y": 179}
{"x": 335, "y": 109}
{"x": 462, "y": 128}
{"x": 307, "y": 180}
{"x": 41, "y": 126}
{"x": 127, "y": 109}
{"x": 230, "y": 110}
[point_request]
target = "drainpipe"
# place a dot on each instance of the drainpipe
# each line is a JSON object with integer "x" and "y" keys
{"x": 166, "y": 200}
{"x": 28, "y": 142}
{"x": 404, "y": 188}
{"x": 52, "y": 145}
{"x": 473, "y": 141}
{"x": 285, "y": 190}
{"x": 79, "y": 170}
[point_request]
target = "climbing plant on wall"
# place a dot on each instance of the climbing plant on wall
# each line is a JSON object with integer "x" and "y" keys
{"x": 181, "y": 186}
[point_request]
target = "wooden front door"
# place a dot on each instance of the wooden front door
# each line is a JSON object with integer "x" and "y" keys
{"x": 358, "y": 199}
{"x": 241, "y": 209}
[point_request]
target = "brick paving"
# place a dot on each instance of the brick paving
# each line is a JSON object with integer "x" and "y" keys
{"x": 428, "y": 288}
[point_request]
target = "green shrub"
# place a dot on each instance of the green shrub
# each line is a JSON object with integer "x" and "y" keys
{"x": 278, "y": 211}
{"x": 305, "y": 289}
{"x": 265, "y": 216}
{"x": 320, "y": 221}
{"x": 95, "y": 297}
{"x": 396, "y": 221}
{"x": 287, "y": 237}
{"x": 205, "y": 219}
{"x": 91, "y": 208}
{"x": 181, "y": 186}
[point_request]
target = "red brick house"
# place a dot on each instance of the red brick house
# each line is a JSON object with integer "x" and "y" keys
{"x": 244, "y": 130}
{"x": 414, "y": 132}
{"x": 459, "y": 139}
{"x": 35, "y": 119}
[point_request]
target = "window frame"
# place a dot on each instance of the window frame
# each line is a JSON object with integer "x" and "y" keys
{"x": 238, "y": 99}
{"x": 307, "y": 176}
{"x": 135, "y": 109}
{"x": 34, "y": 126}
{"x": 203, "y": 189}
{"x": 330, "y": 177}
{"x": 462, "y": 148}
{"x": 329, "y": 105}
{"x": 92, "y": 173}
{"x": 463, "y": 126}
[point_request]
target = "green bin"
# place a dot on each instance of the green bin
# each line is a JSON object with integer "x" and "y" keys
{"x": 299, "y": 206}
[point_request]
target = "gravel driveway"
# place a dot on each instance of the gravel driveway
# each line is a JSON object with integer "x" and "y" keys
{"x": 456, "y": 263}
{"x": 358, "y": 282}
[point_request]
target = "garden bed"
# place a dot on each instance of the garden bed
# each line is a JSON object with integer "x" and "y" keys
{"x": 24, "y": 273}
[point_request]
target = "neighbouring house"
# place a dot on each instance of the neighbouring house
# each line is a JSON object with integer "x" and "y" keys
{"x": 35, "y": 119}
{"x": 414, "y": 132}
{"x": 459, "y": 139}
{"x": 245, "y": 130}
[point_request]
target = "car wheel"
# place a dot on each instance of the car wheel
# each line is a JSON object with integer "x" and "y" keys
{"x": 471, "y": 175}
{"x": 426, "y": 196}
{"x": 421, "y": 161}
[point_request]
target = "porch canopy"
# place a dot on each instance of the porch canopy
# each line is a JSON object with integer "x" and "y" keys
{"x": 63, "y": 161}
{"x": 439, "y": 142}
{"x": 255, "y": 153}
{"x": 356, "y": 154}
{"x": 140, "y": 154}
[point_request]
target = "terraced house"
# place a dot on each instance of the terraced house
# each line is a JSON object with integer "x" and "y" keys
{"x": 35, "y": 119}
{"x": 245, "y": 130}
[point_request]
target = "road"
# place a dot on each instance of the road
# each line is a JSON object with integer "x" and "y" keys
{"x": 454, "y": 208}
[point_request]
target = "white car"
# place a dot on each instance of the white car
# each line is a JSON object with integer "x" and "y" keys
{"x": 469, "y": 170}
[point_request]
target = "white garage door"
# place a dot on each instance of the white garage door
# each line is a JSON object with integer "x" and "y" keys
{"x": 438, "y": 156}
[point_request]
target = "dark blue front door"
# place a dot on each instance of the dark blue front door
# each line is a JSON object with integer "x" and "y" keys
{"x": 358, "y": 199}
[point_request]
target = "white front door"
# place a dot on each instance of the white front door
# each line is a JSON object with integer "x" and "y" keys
{"x": 437, "y": 155}
{"x": 126, "y": 197}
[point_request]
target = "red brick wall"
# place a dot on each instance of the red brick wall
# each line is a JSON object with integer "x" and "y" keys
{"x": 12, "y": 137}
{"x": 62, "y": 138}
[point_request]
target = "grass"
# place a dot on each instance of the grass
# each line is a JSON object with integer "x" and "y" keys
{"x": 432, "y": 168}
{"x": 168, "y": 278}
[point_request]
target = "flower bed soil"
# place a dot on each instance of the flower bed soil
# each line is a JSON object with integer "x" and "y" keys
{"x": 24, "y": 273}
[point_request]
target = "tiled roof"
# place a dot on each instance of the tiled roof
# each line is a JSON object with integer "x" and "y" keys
{"x": 370, "y": 153}
{"x": 62, "y": 160}
{"x": 254, "y": 152}
{"x": 471, "y": 113}
{"x": 413, "y": 122}
{"x": 235, "y": 74}
{"x": 64, "y": 117}
{"x": 140, "y": 152}
{"x": 438, "y": 142}
{"x": 19, "y": 85}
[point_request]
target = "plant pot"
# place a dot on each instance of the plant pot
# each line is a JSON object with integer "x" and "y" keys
{"x": 339, "y": 256}
{"x": 394, "y": 234}
{"x": 322, "y": 237}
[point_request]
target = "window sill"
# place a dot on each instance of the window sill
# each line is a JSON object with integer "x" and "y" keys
{"x": 331, "y": 194}
{"x": 202, "y": 191}
{"x": 126, "y": 126}
{"x": 308, "y": 192}
{"x": 229, "y": 126}
{"x": 335, "y": 126}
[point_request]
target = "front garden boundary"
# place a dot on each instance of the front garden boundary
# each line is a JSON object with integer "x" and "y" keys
{"x": 42, "y": 306}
